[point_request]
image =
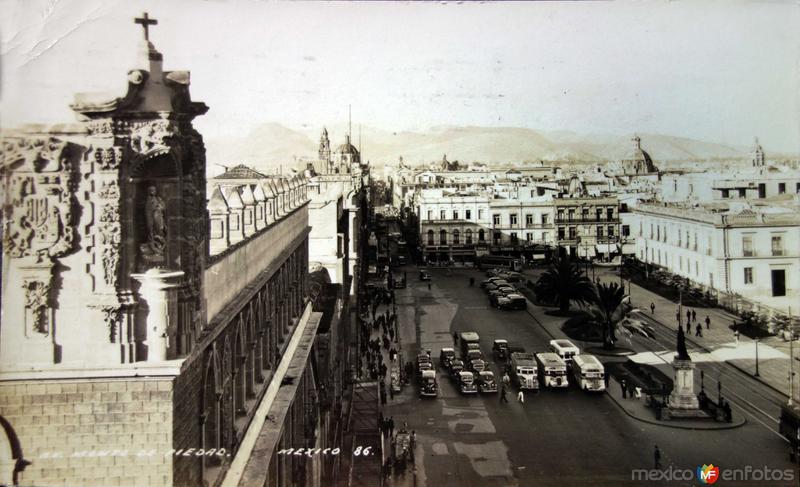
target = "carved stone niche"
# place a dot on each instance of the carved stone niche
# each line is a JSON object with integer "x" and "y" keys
{"x": 37, "y": 278}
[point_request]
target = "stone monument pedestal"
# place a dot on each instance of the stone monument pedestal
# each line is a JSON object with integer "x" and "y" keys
{"x": 159, "y": 295}
{"x": 683, "y": 401}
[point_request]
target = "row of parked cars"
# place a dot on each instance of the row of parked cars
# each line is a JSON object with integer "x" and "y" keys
{"x": 503, "y": 295}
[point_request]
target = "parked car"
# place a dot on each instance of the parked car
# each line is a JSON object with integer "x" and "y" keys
{"x": 513, "y": 301}
{"x": 424, "y": 276}
{"x": 493, "y": 296}
{"x": 500, "y": 349}
{"x": 466, "y": 383}
{"x": 486, "y": 382}
{"x": 446, "y": 355}
{"x": 456, "y": 366}
{"x": 477, "y": 365}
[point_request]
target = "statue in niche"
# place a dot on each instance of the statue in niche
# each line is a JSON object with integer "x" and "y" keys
{"x": 155, "y": 219}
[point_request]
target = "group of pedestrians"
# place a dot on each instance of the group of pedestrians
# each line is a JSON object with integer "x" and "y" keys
{"x": 691, "y": 318}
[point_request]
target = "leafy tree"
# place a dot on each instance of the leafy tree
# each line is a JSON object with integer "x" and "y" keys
{"x": 562, "y": 283}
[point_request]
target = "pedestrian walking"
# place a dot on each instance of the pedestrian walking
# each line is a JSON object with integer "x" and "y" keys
{"x": 521, "y": 397}
{"x": 391, "y": 392}
{"x": 606, "y": 379}
{"x": 624, "y": 390}
{"x": 736, "y": 337}
{"x": 699, "y": 330}
{"x": 694, "y": 315}
{"x": 688, "y": 316}
{"x": 657, "y": 458}
{"x": 652, "y": 308}
{"x": 708, "y": 322}
{"x": 391, "y": 425}
{"x": 455, "y": 339}
{"x": 429, "y": 285}
{"x": 688, "y": 327}
{"x": 677, "y": 316}
{"x": 503, "y": 398}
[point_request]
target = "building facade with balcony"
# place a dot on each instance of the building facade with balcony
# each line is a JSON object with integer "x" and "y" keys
{"x": 587, "y": 227}
{"x": 522, "y": 220}
{"x": 741, "y": 252}
{"x": 453, "y": 225}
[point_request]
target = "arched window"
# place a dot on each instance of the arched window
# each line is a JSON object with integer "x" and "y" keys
{"x": 468, "y": 236}
{"x": 430, "y": 237}
{"x": 442, "y": 237}
{"x": 456, "y": 237}
{"x": 481, "y": 235}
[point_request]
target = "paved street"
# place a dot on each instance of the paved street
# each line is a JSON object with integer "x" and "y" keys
{"x": 566, "y": 437}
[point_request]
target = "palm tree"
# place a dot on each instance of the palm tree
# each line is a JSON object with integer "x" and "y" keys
{"x": 563, "y": 283}
{"x": 610, "y": 312}
{"x": 607, "y": 310}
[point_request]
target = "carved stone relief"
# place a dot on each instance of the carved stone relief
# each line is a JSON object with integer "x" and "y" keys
{"x": 38, "y": 206}
{"x": 151, "y": 136}
{"x": 37, "y": 303}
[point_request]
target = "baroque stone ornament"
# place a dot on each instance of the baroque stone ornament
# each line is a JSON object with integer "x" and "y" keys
{"x": 109, "y": 190}
{"x": 108, "y": 159}
{"x": 39, "y": 203}
{"x": 38, "y": 303}
{"x": 147, "y": 138}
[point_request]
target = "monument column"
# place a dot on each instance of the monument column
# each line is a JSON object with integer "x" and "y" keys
{"x": 159, "y": 300}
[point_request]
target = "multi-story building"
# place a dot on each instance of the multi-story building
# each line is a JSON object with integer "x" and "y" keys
{"x": 755, "y": 254}
{"x": 453, "y": 225}
{"x": 522, "y": 216}
{"x": 587, "y": 226}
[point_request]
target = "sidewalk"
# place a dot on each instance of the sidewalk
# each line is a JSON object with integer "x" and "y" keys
{"x": 636, "y": 409}
{"x": 719, "y": 338}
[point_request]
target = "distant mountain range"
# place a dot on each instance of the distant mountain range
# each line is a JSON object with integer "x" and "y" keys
{"x": 271, "y": 145}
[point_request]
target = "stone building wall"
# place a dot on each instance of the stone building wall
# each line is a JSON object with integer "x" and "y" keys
{"x": 92, "y": 432}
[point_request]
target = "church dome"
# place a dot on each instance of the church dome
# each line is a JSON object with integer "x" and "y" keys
{"x": 638, "y": 161}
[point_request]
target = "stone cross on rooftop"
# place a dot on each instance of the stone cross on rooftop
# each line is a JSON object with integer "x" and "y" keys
{"x": 146, "y": 23}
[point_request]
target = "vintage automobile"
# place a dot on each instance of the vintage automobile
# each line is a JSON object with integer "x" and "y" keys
{"x": 446, "y": 355}
{"x": 494, "y": 296}
{"x": 486, "y": 382}
{"x": 477, "y": 365}
{"x": 424, "y": 276}
{"x": 456, "y": 366}
{"x": 500, "y": 349}
{"x": 512, "y": 301}
{"x": 428, "y": 386}
{"x": 466, "y": 383}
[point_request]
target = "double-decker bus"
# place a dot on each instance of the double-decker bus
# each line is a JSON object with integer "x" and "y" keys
{"x": 499, "y": 261}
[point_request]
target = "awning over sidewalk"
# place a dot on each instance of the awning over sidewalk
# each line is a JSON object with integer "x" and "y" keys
{"x": 586, "y": 251}
{"x": 607, "y": 248}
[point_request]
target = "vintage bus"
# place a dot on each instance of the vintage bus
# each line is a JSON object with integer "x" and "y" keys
{"x": 523, "y": 370}
{"x": 499, "y": 261}
{"x": 552, "y": 370}
{"x": 565, "y": 349}
{"x": 588, "y": 373}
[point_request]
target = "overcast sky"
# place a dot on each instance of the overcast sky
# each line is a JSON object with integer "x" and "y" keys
{"x": 717, "y": 71}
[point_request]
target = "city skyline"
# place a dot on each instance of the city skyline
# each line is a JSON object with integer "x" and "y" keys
{"x": 706, "y": 71}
